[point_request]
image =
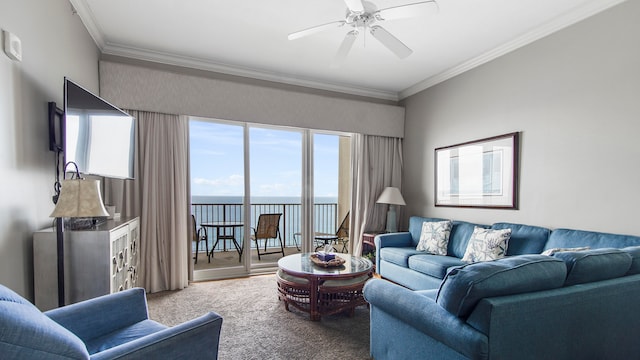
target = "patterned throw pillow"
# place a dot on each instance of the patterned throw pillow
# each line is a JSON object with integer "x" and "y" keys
{"x": 434, "y": 237}
{"x": 487, "y": 244}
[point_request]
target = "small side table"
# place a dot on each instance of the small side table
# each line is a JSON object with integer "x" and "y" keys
{"x": 368, "y": 245}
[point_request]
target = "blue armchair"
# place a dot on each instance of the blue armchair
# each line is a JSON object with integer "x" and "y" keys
{"x": 107, "y": 327}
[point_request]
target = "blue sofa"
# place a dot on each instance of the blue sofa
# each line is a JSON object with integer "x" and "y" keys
{"x": 115, "y": 326}
{"x": 572, "y": 305}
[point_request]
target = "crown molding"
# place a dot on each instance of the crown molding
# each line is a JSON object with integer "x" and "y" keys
{"x": 88, "y": 19}
{"x": 549, "y": 28}
{"x": 86, "y": 16}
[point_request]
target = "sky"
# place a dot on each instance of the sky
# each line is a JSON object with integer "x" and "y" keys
{"x": 217, "y": 167}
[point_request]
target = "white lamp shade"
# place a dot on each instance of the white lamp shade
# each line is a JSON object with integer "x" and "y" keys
{"x": 79, "y": 198}
{"x": 391, "y": 195}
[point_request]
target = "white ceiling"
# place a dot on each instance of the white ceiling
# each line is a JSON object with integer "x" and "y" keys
{"x": 249, "y": 38}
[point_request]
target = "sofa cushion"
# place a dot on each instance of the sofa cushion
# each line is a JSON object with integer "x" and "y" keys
{"x": 290, "y": 278}
{"x": 563, "y": 238}
{"x": 487, "y": 244}
{"x": 123, "y": 335}
{"x": 525, "y": 239}
{"x": 634, "y": 251}
{"x": 594, "y": 265}
{"x": 398, "y": 255}
{"x": 464, "y": 286}
{"x": 433, "y": 265}
{"x": 461, "y": 232}
{"x": 434, "y": 237}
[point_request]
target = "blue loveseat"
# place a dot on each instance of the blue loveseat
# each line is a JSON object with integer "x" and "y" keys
{"x": 572, "y": 305}
{"x": 114, "y": 326}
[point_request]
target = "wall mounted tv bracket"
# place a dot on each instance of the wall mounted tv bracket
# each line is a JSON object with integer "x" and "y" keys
{"x": 55, "y": 142}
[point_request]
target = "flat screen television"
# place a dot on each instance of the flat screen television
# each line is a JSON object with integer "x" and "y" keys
{"x": 97, "y": 136}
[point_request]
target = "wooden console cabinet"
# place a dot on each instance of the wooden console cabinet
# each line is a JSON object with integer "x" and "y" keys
{"x": 98, "y": 261}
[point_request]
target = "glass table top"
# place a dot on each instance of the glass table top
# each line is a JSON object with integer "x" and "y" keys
{"x": 302, "y": 264}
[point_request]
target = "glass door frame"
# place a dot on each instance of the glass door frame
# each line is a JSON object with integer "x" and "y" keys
{"x": 307, "y": 217}
{"x": 255, "y": 269}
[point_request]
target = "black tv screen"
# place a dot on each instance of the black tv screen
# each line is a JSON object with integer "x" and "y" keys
{"x": 97, "y": 136}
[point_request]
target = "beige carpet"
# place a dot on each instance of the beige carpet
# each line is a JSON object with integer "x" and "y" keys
{"x": 257, "y": 326}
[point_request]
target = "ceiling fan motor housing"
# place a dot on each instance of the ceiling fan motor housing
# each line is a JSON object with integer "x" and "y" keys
{"x": 362, "y": 19}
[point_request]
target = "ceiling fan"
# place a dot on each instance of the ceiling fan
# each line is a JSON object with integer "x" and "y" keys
{"x": 364, "y": 15}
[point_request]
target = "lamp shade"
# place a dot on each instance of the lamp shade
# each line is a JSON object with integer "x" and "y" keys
{"x": 391, "y": 195}
{"x": 79, "y": 198}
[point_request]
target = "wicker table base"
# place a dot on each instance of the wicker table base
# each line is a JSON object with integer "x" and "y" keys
{"x": 293, "y": 291}
{"x": 323, "y": 292}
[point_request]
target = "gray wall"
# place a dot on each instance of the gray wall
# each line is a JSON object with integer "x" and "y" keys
{"x": 575, "y": 96}
{"x": 55, "y": 44}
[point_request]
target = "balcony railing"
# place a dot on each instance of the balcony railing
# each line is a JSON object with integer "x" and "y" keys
{"x": 325, "y": 218}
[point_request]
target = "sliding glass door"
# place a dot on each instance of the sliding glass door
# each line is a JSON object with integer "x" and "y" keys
{"x": 246, "y": 179}
{"x": 331, "y": 191}
{"x": 276, "y": 187}
{"x": 217, "y": 197}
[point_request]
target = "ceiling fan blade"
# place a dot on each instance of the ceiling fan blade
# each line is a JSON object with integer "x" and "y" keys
{"x": 355, "y": 6}
{"x": 391, "y": 42}
{"x": 315, "y": 29}
{"x": 344, "y": 49}
{"x": 422, "y": 8}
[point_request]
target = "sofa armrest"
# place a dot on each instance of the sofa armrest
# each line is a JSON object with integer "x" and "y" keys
{"x": 195, "y": 339}
{"x": 401, "y": 239}
{"x": 95, "y": 317}
{"x": 423, "y": 314}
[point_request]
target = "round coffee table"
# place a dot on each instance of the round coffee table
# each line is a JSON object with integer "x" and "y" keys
{"x": 323, "y": 290}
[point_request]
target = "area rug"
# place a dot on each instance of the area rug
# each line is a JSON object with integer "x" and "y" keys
{"x": 257, "y": 326}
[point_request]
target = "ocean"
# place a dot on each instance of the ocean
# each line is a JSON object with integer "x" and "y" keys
{"x": 207, "y": 199}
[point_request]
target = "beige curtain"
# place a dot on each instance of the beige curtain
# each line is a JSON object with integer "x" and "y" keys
{"x": 377, "y": 163}
{"x": 159, "y": 195}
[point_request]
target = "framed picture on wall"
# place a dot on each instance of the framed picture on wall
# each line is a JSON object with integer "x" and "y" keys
{"x": 481, "y": 173}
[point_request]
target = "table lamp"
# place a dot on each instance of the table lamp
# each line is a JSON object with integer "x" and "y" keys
{"x": 78, "y": 198}
{"x": 393, "y": 197}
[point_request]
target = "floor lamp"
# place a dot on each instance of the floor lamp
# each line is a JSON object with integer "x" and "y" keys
{"x": 79, "y": 198}
{"x": 393, "y": 197}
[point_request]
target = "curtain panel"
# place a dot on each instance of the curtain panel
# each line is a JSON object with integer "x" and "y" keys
{"x": 376, "y": 164}
{"x": 159, "y": 194}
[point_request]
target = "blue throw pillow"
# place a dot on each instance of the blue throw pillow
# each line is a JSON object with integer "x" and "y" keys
{"x": 464, "y": 286}
{"x": 594, "y": 265}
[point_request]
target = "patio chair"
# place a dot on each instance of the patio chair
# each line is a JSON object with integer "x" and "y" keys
{"x": 268, "y": 228}
{"x": 341, "y": 237}
{"x": 199, "y": 235}
{"x": 343, "y": 234}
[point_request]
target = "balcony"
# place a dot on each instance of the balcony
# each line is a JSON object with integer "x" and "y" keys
{"x": 326, "y": 221}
